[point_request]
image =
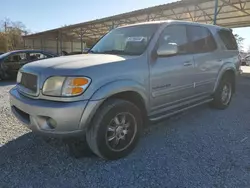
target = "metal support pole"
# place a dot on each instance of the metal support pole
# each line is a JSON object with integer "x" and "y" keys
{"x": 215, "y": 11}
{"x": 71, "y": 46}
{"x": 81, "y": 40}
{"x": 148, "y": 18}
{"x": 61, "y": 48}
{"x": 41, "y": 44}
{"x": 33, "y": 44}
{"x": 57, "y": 51}
{"x": 112, "y": 26}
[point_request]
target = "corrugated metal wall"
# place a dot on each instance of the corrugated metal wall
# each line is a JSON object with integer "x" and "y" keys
{"x": 52, "y": 46}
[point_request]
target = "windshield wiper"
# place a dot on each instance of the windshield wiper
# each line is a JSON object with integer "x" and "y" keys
{"x": 112, "y": 52}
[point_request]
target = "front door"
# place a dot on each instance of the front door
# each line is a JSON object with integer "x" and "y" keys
{"x": 171, "y": 80}
{"x": 14, "y": 62}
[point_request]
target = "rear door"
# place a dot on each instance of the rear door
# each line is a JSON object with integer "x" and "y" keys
{"x": 15, "y": 61}
{"x": 207, "y": 60}
{"x": 230, "y": 48}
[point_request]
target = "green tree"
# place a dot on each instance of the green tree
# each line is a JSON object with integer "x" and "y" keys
{"x": 11, "y": 35}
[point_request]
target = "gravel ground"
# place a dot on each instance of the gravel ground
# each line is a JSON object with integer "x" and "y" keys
{"x": 200, "y": 148}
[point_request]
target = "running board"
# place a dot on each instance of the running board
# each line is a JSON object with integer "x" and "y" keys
{"x": 178, "y": 111}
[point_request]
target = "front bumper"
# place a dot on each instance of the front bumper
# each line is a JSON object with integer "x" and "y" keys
{"x": 37, "y": 114}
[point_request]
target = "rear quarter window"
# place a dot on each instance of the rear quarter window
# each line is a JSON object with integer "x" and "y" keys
{"x": 228, "y": 39}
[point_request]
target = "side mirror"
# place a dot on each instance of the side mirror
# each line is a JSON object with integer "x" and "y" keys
{"x": 167, "y": 49}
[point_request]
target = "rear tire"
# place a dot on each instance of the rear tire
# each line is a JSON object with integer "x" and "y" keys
{"x": 115, "y": 129}
{"x": 223, "y": 93}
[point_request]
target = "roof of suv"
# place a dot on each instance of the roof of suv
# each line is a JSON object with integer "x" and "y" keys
{"x": 177, "y": 21}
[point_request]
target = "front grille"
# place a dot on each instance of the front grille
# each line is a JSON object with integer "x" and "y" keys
{"x": 29, "y": 81}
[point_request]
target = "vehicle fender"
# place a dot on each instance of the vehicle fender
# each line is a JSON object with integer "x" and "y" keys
{"x": 223, "y": 69}
{"x": 119, "y": 86}
{"x": 106, "y": 91}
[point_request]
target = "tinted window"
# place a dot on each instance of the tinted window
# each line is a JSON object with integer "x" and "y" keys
{"x": 175, "y": 34}
{"x": 17, "y": 57}
{"x": 228, "y": 39}
{"x": 201, "y": 39}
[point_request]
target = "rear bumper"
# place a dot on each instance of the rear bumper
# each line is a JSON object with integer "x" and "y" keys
{"x": 38, "y": 114}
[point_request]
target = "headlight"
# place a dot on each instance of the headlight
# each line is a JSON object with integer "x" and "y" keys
{"x": 65, "y": 86}
{"x": 18, "y": 78}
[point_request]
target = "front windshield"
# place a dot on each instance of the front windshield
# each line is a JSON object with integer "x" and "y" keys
{"x": 132, "y": 40}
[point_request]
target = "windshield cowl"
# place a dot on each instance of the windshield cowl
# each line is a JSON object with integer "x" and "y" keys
{"x": 113, "y": 52}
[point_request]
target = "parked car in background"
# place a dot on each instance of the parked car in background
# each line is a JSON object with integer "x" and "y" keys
{"x": 64, "y": 53}
{"x": 135, "y": 73}
{"x": 246, "y": 61}
{"x": 86, "y": 50}
{"x": 12, "y": 61}
{"x": 75, "y": 53}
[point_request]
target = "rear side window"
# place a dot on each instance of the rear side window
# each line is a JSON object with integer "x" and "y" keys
{"x": 228, "y": 39}
{"x": 37, "y": 55}
{"x": 201, "y": 39}
{"x": 17, "y": 57}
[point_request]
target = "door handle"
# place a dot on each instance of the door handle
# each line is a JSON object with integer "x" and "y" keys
{"x": 187, "y": 64}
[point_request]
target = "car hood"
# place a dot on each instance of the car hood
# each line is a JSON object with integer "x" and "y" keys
{"x": 73, "y": 63}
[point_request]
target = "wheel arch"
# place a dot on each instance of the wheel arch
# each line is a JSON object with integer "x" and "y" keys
{"x": 126, "y": 89}
{"x": 133, "y": 97}
{"x": 122, "y": 89}
{"x": 227, "y": 72}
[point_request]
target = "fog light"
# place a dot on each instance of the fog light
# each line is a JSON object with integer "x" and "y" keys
{"x": 51, "y": 123}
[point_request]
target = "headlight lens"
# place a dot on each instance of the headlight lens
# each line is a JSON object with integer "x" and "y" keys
{"x": 53, "y": 86}
{"x": 19, "y": 77}
{"x": 65, "y": 86}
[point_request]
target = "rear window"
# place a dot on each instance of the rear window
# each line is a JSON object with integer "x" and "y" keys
{"x": 228, "y": 39}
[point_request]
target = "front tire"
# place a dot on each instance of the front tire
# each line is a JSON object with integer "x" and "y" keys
{"x": 115, "y": 129}
{"x": 223, "y": 94}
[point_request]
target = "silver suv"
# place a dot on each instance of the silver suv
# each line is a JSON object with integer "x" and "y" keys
{"x": 134, "y": 73}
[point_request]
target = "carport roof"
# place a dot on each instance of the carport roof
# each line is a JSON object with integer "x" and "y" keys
{"x": 230, "y": 13}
